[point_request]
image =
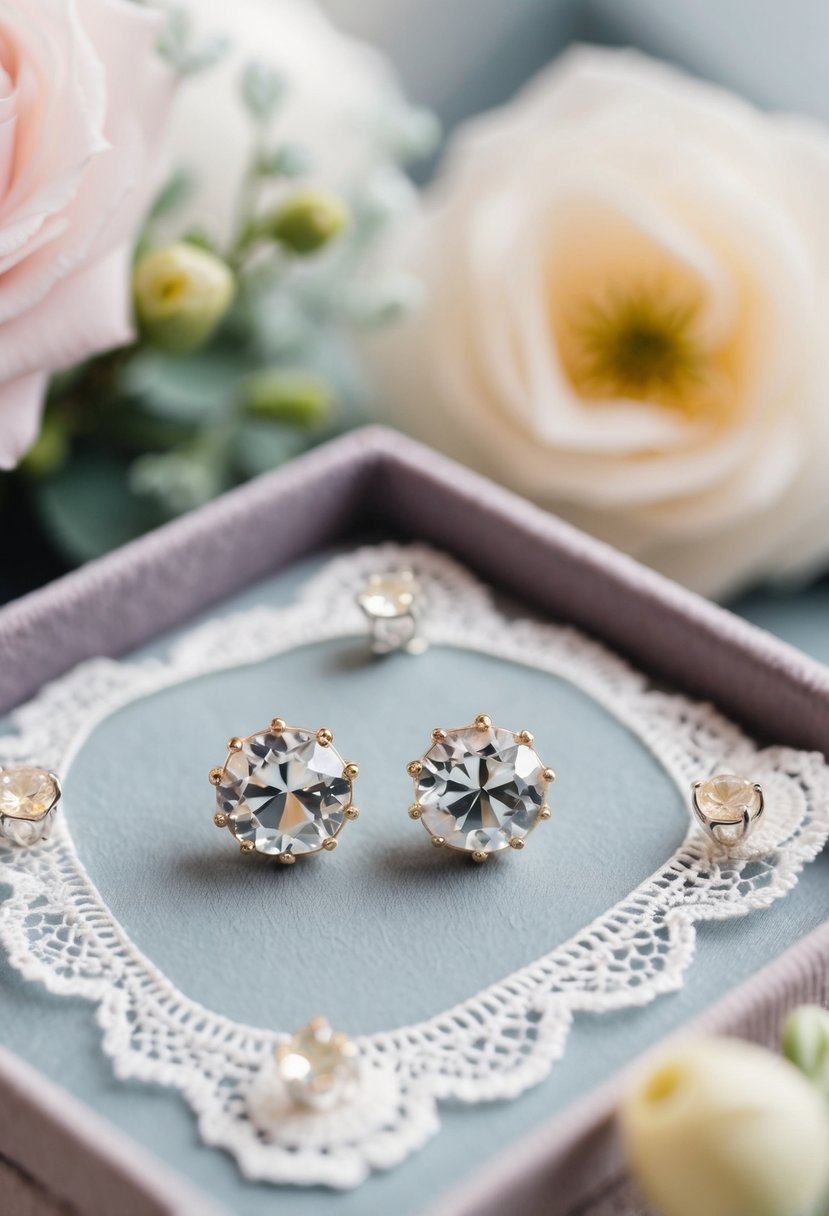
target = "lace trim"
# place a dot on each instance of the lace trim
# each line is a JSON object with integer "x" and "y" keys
{"x": 57, "y": 929}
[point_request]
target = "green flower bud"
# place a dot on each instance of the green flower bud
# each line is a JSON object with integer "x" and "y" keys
{"x": 726, "y": 1128}
{"x": 806, "y": 1044}
{"x": 307, "y": 220}
{"x": 49, "y": 452}
{"x": 181, "y": 294}
{"x": 295, "y": 398}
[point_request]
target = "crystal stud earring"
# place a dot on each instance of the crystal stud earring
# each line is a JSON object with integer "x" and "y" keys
{"x": 284, "y": 791}
{"x": 480, "y": 789}
{"x": 727, "y": 807}
{"x": 29, "y": 798}
{"x": 318, "y": 1066}
{"x": 308, "y": 1075}
{"x": 389, "y": 603}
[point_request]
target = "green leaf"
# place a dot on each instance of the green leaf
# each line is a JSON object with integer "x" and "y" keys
{"x": 179, "y": 480}
{"x": 289, "y": 160}
{"x": 172, "y": 194}
{"x": 178, "y": 47}
{"x": 201, "y": 238}
{"x": 262, "y": 90}
{"x": 87, "y": 508}
{"x": 188, "y": 388}
{"x": 262, "y": 446}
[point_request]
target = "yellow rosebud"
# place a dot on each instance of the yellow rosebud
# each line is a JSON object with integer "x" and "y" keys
{"x": 181, "y": 294}
{"x": 307, "y": 220}
{"x": 725, "y": 1128}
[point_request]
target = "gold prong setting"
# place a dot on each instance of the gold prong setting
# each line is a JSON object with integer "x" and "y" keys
{"x": 454, "y": 774}
{"x": 268, "y": 771}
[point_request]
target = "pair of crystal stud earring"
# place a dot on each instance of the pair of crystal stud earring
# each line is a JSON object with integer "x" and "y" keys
{"x": 286, "y": 792}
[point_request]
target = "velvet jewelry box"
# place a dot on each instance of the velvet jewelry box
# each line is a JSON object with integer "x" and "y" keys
{"x": 551, "y": 1150}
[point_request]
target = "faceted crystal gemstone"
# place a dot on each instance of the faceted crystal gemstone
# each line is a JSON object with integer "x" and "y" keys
{"x": 27, "y": 793}
{"x": 726, "y": 798}
{"x": 318, "y": 1066}
{"x": 28, "y": 796}
{"x": 389, "y": 595}
{"x": 285, "y": 792}
{"x": 478, "y": 789}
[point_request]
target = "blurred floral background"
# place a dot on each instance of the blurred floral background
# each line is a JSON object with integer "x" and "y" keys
{"x": 598, "y": 278}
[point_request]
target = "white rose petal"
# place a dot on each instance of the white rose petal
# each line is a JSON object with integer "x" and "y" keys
{"x": 83, "y": 99}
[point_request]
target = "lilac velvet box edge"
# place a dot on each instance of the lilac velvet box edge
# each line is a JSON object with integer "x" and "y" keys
{"x": 375, "y": 477}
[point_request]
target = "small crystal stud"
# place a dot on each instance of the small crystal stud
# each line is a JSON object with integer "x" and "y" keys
{"x": 727, "y": 806}
{"x": 28, "y": 800}
{"x": 318, "y": 1066}
{"x": 389, "y": 602}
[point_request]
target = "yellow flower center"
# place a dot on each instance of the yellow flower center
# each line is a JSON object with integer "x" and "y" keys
{"x": 642, "y": 344}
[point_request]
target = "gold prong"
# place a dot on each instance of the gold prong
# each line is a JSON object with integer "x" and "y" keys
{"x": 215, "y": 776}
{"x": 324, "y": 736}
{"x": 234, "y": 744}
{"x": 544, "y": 812}
{"x": 330, "y": 844}
{"x": 526, "y": 737}
{"x": 548, "y": 775}
{"x": 438, "y": 841}
{"x": 483, "y": 722}
{"x": 414, "y": 768}
{"x": 221, "y": 820}
{"x": 480, "y": 856}
{"x": 247, "y": 846}
{"x": 516, "y": 842}
{"x": 286, "y": 859}
{"x": 278, "y": 725}
{"x": 339, "y": 1039}
{"x": 351, "y": 770}
{"x": 415, "y": 811}
{"x": 318, "y": 1023}
{"x": 351, "y": 812}
{"x": 438, "y": 735}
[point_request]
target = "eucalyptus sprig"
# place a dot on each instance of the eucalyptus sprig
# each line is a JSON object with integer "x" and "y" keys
{"x": 243, "y": 357}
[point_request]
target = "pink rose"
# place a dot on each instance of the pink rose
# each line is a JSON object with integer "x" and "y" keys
{"x": 83, "y": 101}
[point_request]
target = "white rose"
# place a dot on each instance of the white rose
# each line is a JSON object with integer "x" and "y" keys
{"x": 628, "y": 317}
{"x": 724, "y": 1128}
{"x": 337, "y": 91}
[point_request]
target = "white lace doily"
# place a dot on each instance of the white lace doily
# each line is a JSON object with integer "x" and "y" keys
{"x": 58, "y": 930}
